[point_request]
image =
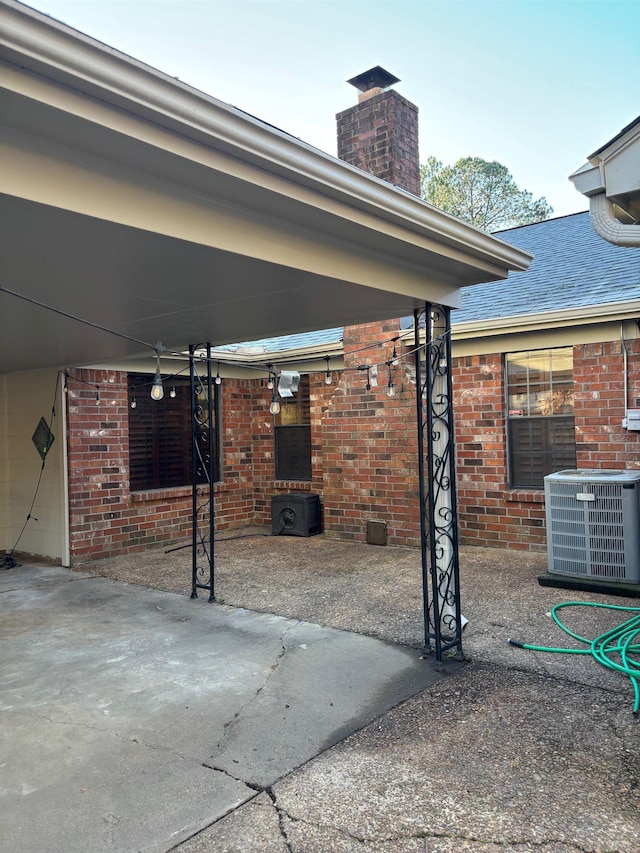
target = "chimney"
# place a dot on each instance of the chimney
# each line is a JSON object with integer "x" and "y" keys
{"x": 380, "y": 134}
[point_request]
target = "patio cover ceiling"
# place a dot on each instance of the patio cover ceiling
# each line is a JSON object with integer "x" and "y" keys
{"x": 140, "y": 205}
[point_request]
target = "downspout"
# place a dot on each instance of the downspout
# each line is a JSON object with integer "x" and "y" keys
{"x": 610, "y": 228}
{"x": 66, "y": 536}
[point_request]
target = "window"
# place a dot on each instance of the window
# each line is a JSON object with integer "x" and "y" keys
{"x": 540, "y": 423}
{"x": 160, "y": 436}
{"x": 293, "y": 435}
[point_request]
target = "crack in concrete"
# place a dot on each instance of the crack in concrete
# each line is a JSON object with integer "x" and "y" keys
{"x": 257, "y": 788}
{"x": 425, "y": 837}
{"x": 281, "y": 813}
{"x": 272, "y": 669}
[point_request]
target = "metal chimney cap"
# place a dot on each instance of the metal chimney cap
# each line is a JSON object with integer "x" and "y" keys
{"x": 374, "y": 78}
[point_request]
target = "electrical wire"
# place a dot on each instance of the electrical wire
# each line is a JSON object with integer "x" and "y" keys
{"x": 617, "y": 649}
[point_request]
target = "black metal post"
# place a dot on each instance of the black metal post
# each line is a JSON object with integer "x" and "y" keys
{"x": 202, "y": 475}
{"x": 439, "y": 521}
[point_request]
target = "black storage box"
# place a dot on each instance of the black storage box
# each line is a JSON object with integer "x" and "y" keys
{"x": 295, "y": 514}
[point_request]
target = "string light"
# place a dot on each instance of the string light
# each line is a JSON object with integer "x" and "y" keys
{"x": 133, "y": 403}
{"x": 274, "y": 408}
{"x": 391, "y": 390}
{"x": 218, "y": 379}
{"x": 327, "y": 376}
{"x": 157, "y": 391}
{"x": 172, "y": 393}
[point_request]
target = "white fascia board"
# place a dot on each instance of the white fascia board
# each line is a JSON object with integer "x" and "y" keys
{"x": 50, "y": 48}
{"x": 546, "y": 320}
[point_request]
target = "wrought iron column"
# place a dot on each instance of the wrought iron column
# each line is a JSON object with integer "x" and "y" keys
{"x": 202, "y": 473}
{"x": 436, "y": 470}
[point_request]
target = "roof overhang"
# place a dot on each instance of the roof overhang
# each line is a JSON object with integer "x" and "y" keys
{"x": 158, "y": 213}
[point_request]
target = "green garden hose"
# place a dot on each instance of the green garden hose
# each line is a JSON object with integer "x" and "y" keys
{"x": 614, "y": 648}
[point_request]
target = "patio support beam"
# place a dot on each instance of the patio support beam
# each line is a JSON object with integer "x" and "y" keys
{"x": 202, "y": 473}
{"x": 437, "y": 485}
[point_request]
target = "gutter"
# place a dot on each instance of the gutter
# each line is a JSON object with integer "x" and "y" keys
{"x": 581, "y": 316}
{"x": 608, "y": 226}
{"x": 45, "y": 46}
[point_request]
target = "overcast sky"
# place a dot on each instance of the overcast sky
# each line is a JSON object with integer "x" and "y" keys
{"x": 535, "y": 84}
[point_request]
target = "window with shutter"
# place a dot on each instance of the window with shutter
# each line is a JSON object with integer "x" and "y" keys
{"x": 160, "y": 436}
{"x": 540, "y": 423}
{"x": 293, "y": 435}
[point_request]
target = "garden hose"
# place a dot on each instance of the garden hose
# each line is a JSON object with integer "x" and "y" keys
{"x": 615, "y": 649}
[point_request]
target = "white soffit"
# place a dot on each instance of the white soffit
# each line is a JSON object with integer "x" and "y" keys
{"x": 145, "y": 207}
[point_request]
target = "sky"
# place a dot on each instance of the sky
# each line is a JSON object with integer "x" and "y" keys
{"x": 536, "y": 84}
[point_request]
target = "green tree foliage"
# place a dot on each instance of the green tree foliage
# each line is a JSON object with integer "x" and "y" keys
{"x": 482, "y": 193}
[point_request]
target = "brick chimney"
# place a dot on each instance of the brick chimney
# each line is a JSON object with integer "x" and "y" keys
{"x": 380, "y": 134}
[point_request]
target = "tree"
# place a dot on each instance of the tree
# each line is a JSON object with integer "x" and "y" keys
{"x": 480, "y": 192}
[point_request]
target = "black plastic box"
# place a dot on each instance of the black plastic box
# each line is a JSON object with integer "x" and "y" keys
{"x": 296, "y": 514}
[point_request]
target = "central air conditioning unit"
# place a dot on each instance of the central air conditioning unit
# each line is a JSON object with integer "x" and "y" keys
{"x": 295, "y": 514}
{"x": 593, "y": 524}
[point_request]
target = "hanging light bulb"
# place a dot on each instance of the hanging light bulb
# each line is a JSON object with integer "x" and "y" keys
{"x": 157, "y": 391}
{"x": 394, "y": 357}
{"x": 172, "y": 393}
{"x": 274, "y": 408}
{"x": 391, "y": 390}
{"x": 133, "y": 403}
{"x": 327, "y": 376}
{"x": 218, "y": 379}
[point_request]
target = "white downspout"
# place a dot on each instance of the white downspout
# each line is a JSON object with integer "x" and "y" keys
{"x": 610, "y": 228}
{"x": 66, "y": 543}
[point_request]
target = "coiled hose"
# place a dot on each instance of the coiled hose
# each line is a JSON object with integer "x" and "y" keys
{"x": 614, "y": 649}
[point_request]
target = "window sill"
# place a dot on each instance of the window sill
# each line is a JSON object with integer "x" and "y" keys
{"x": 531, "y": 496}
{"x": 160, "y": 494}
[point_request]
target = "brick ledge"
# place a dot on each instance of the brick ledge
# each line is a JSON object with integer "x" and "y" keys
{"x": 530, "y": 496}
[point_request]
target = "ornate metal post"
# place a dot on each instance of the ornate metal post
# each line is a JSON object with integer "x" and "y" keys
{"x": 202, "y": 474}
{"x": 436, "y": 469}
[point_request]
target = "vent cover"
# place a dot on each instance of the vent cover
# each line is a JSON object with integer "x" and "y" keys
{"x": 295, "y": 514}
{"x": 593, "y": 524}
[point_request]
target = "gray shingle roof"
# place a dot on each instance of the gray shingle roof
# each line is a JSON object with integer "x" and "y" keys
{"x": 573, "y": 267}
{"x": 288, "y": 342}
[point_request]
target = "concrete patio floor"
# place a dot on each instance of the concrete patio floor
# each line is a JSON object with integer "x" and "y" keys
{"x": 317, "y": 643}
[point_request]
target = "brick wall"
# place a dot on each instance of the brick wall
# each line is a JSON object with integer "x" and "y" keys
{"x": 265, "y": 484}
{"x": 105, "y": 517}
{"x": 364, "y": 452}
{"x": 602, "y": 441}
{"x": 370, "y": 443}
{"x": 489, "y": 512}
